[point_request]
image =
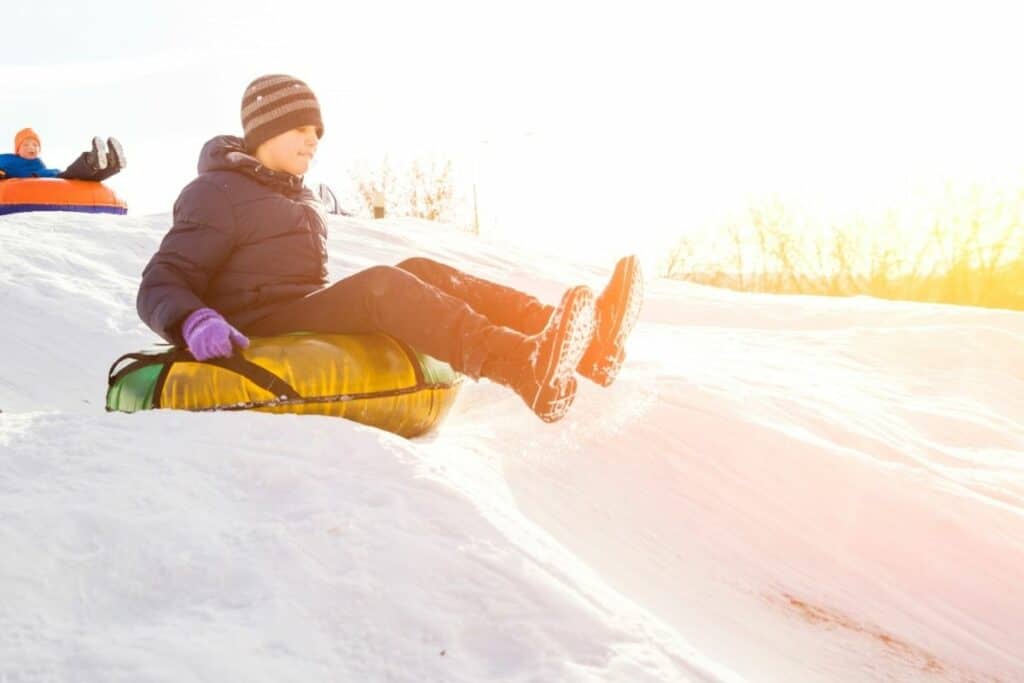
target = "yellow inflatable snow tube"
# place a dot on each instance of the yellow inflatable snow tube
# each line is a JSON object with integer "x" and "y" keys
{"x": 372, "y": 379}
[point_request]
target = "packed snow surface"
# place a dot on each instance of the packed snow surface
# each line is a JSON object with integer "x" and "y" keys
{"x": 776, "y": 488}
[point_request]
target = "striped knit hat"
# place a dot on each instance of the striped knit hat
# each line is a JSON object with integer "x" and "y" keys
{"x": 275, "y": 104}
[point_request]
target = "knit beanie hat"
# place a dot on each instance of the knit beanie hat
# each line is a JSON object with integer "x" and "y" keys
{"x": 25, "y": 134}
{"x": 275, "y": 104}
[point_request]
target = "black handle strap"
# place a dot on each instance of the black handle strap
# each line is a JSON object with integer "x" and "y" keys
{"x": 237, "y": 363}
{"x": 140, "y": 360}
{"x": 256, "y": 374}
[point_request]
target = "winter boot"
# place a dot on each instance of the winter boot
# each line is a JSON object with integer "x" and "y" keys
{"x": 618, "y": 308}
{"x": 115, "y": 153}
{"x": 97, "y": 156}
{"x": 541, "y": 369}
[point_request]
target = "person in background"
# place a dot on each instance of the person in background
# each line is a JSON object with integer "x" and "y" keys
{"x": 103, "y": 160}
{"x": 247, "y": 255}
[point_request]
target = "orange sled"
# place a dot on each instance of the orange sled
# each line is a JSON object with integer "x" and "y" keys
{"x": 57, "y": 194}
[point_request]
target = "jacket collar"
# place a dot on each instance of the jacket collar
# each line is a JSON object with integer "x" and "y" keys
{"x": 228, "y": 153}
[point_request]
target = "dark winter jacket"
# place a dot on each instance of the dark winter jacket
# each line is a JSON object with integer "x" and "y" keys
{"x": 14, "y": 166}
{"x": 245, "y": 241}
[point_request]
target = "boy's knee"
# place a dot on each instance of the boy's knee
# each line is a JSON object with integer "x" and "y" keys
{"x": 383, "y": 280}
{"x": 415, "y": 265}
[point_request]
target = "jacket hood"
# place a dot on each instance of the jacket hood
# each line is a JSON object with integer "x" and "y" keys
{"x": 228, "y": 153}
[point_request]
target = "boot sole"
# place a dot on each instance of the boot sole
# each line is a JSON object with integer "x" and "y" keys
{"x": 627, "y": 270}
{"x": 99, "y": 153}
{"x": 631, "y": 311}
{"x": 574, "y": 332}
{"x": 115, "y": 153}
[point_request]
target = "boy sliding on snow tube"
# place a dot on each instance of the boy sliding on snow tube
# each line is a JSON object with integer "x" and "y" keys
{"x": 247, "y": 255}
{"x": 102, "y": 161}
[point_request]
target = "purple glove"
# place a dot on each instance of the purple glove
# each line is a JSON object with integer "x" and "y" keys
{"x": 208, "y": 335}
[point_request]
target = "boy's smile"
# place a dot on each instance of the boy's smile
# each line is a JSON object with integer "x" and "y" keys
{"x": 291, "y": 151}
{"x": 28, "y": 149}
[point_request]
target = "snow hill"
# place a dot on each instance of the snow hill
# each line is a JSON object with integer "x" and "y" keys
{"x": 775, "y": 489}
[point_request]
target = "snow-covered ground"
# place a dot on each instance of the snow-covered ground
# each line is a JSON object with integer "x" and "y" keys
{"x": 775, "y": 489}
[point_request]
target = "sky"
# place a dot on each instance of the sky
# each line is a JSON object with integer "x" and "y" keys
{"x": 579, "y": 126}
{"x": 793, "y": 488}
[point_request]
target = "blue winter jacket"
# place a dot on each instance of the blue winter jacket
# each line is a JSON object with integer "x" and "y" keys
{"x": 245, "y": 241}
{"x": 14, "y": 166}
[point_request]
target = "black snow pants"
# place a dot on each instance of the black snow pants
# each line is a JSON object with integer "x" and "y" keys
{"x": 434, "y": 308}
{"x": 81, "y": 169}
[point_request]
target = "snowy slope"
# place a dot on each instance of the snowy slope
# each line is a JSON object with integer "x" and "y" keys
{"x": 776, "y": 489}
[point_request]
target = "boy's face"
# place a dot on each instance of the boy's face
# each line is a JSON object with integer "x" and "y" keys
{"x": 28, "y": 149}
{"x": 290, "y": 151}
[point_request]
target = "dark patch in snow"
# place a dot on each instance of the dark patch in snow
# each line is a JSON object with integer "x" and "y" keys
{"x": 901, "y": 650}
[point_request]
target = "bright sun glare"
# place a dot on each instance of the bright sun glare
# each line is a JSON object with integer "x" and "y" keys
{"x": 573, "y": 127}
